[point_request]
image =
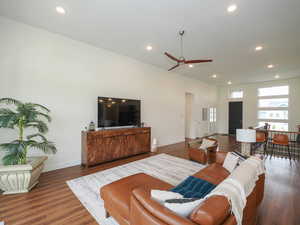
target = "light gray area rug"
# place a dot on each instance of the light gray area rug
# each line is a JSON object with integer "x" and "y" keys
{"x": 165, "y": 167}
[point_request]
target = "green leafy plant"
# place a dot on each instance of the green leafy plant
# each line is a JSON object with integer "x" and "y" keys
{"x": 22, "y": 116}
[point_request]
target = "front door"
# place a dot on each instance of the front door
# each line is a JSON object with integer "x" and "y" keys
{"x": 235, "y": 117}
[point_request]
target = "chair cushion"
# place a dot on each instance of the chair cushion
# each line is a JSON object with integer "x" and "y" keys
{"x": 117, "y": 194}
{"x": 206, "y": 143}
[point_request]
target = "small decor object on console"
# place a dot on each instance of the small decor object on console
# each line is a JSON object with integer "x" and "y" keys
{"x": 92, "y": 126}
{"x": 246, "y": 137}
{"x": 154, "y": 145}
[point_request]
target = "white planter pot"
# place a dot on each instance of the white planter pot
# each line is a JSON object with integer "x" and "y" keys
{"x": 21, "y": 178}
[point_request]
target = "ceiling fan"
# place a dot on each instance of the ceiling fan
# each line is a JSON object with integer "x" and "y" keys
{"x": 181, "y": 60}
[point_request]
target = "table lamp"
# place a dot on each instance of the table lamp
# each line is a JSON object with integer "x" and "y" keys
{"x": 246, "y": 137}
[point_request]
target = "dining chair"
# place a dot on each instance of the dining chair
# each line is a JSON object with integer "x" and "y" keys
{"x": 281, "y": 140}
{"x": 261, "y": 138}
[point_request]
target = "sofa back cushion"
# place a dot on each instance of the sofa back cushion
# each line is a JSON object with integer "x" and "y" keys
{"x": 214, "y": 173}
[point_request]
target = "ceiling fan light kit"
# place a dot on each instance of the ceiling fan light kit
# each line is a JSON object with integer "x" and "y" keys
{"x": 181, "y": 60}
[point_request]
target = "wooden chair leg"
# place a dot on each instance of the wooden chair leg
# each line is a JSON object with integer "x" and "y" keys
{"x": 272, "y": 152}
{"x": 107, "y": 214}
{"x": 288, "y": 147}
{"x": 265, "y": 149}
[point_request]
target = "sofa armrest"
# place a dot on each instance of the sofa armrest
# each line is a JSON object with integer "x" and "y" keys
{"x": 145, "y": 210}
{"x": 212, "y": 211}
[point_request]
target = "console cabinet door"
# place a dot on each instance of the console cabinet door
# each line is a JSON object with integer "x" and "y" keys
{"x": 143, "y": 142}
{"x": 108, "y": 145}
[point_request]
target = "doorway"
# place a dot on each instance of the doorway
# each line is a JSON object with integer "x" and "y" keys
{"x": 188, "y": 114}
{"x": 235, "y": 117}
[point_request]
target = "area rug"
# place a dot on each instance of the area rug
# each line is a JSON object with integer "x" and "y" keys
{"x": 165, "y": 167}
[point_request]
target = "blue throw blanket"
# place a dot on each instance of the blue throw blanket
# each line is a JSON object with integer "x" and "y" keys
{"x": 194, "y": 187}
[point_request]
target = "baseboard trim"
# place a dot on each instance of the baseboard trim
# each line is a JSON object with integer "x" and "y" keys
{"x": 54, "y": 166}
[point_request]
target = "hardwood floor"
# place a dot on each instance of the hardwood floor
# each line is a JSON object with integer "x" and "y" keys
{"x": 52, "y": 202}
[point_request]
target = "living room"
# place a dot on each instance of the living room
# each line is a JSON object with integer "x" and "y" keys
{"x": 68, "y": 56}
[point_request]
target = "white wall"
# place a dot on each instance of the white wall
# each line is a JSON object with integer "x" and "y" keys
{"x": 67, "y": 76}
{"x": 250, "y": 104}
{"x": 188, "y": 115}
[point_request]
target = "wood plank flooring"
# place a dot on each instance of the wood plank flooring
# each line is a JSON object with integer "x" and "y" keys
{"x": 52, "y": 202}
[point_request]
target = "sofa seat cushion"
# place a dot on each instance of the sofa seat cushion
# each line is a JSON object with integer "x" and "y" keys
{"x": 117, "y": 194}
{"x": 214, "y": 173}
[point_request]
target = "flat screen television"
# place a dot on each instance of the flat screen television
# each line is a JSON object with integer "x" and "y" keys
{"x": 118, "y": 112}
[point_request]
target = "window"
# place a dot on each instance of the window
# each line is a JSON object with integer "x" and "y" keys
{"x": 275, "y": 126}
{"x": 273, "y": 103}
{"x": 236, "y": 94}
{"x": 212, "y": 120}
{"x": 273, "y": 91}
{"x": 273, "y": 114}
{"x": 212, "y": 114}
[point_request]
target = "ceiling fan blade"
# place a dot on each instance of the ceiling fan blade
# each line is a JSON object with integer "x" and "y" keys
{"x": 172, "y": 57}
{"x": 173, "y": 67}
{"x": 197, "y": 61}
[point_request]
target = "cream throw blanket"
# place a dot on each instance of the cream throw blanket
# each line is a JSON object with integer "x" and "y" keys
{"x": 237, "y": 187}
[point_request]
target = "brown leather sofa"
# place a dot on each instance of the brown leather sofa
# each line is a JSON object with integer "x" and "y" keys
{"x": 201, "y": 155}
{"x": 129, "y": 201}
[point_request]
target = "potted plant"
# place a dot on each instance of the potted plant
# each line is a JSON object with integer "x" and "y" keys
{"x": 20, "y": 173}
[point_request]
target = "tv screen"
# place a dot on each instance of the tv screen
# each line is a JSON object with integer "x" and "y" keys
{"x": 117, "y": 112}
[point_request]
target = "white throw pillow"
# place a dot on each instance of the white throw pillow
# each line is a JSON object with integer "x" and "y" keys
{"x": 230, "y": 162}
{"x": 206, "y": 143}
{"x": 162, "y": 196}
{"x": 183, "y": 209}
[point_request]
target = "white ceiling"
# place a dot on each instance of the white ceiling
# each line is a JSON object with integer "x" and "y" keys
{"x": 127, "y": 26}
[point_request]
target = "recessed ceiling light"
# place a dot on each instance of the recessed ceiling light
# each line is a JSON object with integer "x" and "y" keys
{"x": 258, "y": 48}
{"x": 60, "y": 10}
{"x": 214, "y": 76}
{"x": 191, "y": 65}
{"x": 270, "y": 66}
{"x": 149, "y": 47}
{"x": 229, "y": 82}
{"x": 232, "y": 8}
{"x": 277, "y": 76}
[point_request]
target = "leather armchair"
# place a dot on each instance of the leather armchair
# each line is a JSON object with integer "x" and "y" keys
{"x": 202, "y": 155}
